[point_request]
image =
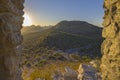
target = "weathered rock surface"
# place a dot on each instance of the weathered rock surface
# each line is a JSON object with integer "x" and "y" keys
{"x": 95, "y": 63}
{"x": 69, "y": 74}
{"x": 88, "y": 72}
{"x": 110, "y": 66}
{"x": 11, "y": 20}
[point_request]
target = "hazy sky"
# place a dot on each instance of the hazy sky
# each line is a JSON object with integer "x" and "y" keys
{"x": 50, "y": 12}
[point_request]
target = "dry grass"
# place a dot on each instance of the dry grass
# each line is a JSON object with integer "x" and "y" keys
{"x": 47, "y": 70}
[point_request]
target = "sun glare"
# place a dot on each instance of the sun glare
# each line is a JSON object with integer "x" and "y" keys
{"x": 27, "y": 20}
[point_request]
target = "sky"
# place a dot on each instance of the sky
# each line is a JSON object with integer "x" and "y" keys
{"x": 50, "y": 12}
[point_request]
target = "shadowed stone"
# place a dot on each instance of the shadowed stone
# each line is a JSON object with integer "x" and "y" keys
{"x": 11, "y": 20}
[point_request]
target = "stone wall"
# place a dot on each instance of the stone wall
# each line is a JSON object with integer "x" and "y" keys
{"x": 110, "y": 66}
{"x": 11, "y": 12}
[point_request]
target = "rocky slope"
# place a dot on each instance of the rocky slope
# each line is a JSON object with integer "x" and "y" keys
{"x": 85, "y": 72}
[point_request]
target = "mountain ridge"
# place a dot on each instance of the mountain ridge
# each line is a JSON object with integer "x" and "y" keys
{"x": 79, "y": 27}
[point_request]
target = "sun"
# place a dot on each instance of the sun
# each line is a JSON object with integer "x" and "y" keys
{"x": 27, "y": 20}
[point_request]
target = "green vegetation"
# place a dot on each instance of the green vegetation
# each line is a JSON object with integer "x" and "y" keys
{"x": 56, "y": 40}
{"x": 64, "y": 41}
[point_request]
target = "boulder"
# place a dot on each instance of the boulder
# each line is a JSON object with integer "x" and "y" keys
{"x": 70, "y": 74}
{"x": 88, "y": 72}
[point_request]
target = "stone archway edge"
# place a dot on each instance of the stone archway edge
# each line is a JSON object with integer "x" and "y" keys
{"x": 11, "y": 12}
{"x": 110, "y": 66}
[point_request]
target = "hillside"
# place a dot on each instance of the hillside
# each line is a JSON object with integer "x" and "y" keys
{"x": 58, "y": 44}
{"x": 67, "y": 36}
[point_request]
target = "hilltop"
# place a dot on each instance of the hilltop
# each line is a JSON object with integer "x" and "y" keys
{"x": 80, "y": 28}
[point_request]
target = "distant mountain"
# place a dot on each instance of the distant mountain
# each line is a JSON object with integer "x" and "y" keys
{"x": 79, "y": 27}
{"x": 31, "y": 29}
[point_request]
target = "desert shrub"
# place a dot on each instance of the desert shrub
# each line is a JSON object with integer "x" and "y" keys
{"x": 86, "y": 59}
{"x": 76, "y": 57}
{"x": 57, "y": 56}
{"x": 41, "y": 63}
{"x": 24, "y": 62}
